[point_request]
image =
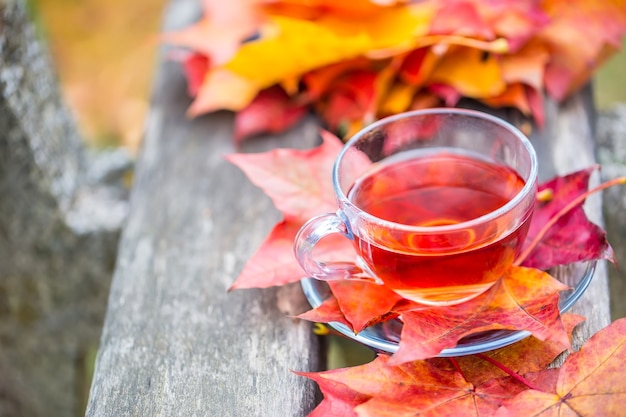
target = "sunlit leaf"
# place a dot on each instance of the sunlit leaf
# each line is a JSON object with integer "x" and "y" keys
{"x": 363, "y": 303}
{"x": 573, "y": 237}
{"x": 590, "y": 382}
{"x": 291, "y": 47}
{"x": 223, "y": 89}
{"x": 524, "y": 299}
{"x": 298, "y": 181}
{"x": 526, "y": 356}
{"x": 327, "y": 312}
{"x": 471, "y": 72}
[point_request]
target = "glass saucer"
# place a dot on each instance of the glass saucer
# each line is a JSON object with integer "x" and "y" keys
{"x": 385, "y": 337}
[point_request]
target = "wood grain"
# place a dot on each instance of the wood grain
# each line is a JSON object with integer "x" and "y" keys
{"x": 566, "y": 144}
{"x": 175, "y": 342}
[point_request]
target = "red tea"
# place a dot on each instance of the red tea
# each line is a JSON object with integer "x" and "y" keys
{"x": 440, "y": 188}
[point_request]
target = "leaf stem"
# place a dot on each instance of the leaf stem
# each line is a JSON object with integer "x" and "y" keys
{"x": 570, "y": 206}
{"x": 508, "y": 371}
{"x": 457, "y": 367}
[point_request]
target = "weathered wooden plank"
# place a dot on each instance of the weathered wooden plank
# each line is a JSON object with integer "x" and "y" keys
{"x": 612, "y": 155}
{"x": 175, "y": 342}
{"x": 566, "y": 144}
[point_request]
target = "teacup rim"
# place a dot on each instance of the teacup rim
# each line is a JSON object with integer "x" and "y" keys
{"x": 529, "y": 185}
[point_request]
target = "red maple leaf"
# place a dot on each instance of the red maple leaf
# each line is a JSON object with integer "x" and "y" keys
{"x": 411, "y": 389}
{"x": 299, "y": 184}
{"x": 524, "y": 298}
{"x": 573, "y": 237}
{"x": 416, "y": 380}
{"x": 363, "y": 303}
{"x": 327, "y": 312}
{"x": 195, "y": 66}
{"x": 271, "y": 111}
{"x": 273, "y": 262}
{"x": 350, "y": 98}
{"x": 590, "y": 383}
{"x": 339, "y": 399}
{"x": 528, "y": 355}
{"x": 468, "y": 386}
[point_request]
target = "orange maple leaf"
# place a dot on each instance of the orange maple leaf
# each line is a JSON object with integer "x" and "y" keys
{"x": 528, "y": 355}
{"x": 524, "y": 298}
{"x": 590, "y": 383}
{"x": 464, "y": 386}
{"x": 411, "y": 389}
{"x": 581, "y": 35}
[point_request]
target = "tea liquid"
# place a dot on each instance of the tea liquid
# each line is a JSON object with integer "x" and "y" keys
{"x": 439, "y": 188}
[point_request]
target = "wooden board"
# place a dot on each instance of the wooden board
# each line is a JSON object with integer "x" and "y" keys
{"x": 174, "y": 341}
{"x": 566, "y": 144}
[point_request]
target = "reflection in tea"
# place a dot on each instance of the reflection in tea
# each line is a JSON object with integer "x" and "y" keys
{"x": 438, "y": 187}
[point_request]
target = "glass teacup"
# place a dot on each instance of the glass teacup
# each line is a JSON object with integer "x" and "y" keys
{"x": 436, "y": 202}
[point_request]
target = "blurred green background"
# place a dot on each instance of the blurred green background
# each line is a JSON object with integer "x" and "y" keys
{"x": 610, "y": 81}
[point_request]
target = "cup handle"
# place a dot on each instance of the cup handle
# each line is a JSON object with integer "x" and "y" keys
{"x": 310, "y": 234}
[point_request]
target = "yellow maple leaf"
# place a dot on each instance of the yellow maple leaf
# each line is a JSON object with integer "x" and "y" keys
{"x": 223, "y": 89}
{"x": 472, "y": 72}
{"x": 513, "y": 96}
{"x": 292, "y": 47}
{"x": 289, "y": 47}
{"x": 526, "y": 65}
{"x": 398, "y": 99}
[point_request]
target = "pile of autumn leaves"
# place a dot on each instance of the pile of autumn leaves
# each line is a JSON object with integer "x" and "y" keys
{"x": 354, "y": 61}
